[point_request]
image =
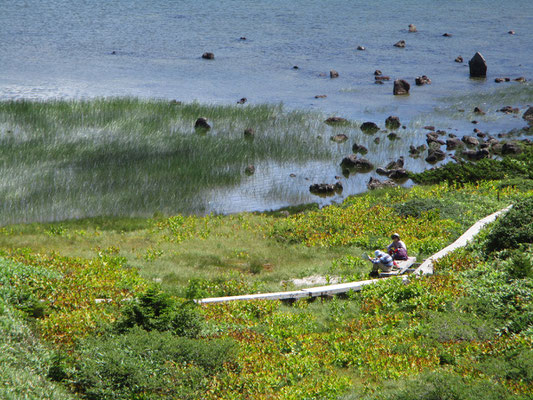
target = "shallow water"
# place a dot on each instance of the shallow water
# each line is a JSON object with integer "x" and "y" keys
{"x": 82, "y": 49}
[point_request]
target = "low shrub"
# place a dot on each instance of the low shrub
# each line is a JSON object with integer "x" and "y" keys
{"x": 156, "y": 310}
{"x": 514, "y": 228}
{"x": 149, "y": 365}
{"x": 440, "y": 385}
{"x": 457, "y": 326}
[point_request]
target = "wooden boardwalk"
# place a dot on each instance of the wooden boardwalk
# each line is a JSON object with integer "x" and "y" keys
{"x": 329, "y": 290}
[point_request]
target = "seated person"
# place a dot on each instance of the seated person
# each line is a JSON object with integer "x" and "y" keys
{"x": 382, "y": 262}
{"x": 397, "y": 248}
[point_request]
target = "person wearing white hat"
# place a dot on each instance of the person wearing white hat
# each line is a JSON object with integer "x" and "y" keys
{"x": 382, "y": 262}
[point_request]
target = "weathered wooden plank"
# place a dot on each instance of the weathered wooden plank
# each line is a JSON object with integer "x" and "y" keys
{"x": 298, "y": 294}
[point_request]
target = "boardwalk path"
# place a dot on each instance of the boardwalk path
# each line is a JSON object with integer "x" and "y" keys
{"x": 425, "y": 268}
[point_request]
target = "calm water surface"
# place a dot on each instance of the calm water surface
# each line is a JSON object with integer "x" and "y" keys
{"x": 92, "y": 48}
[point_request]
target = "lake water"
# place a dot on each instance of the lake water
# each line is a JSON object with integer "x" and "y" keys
{"x": 92, "y": 48}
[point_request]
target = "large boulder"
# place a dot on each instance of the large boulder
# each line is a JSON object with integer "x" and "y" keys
{"x": 392, "y": 122}
{"x": 511, "y": 148}
{"x": 528, "y": 115}
{"x": 478, "y": 66}
{"x": 401, "y": 87}
{"x": 358, "y": 164}
{"x": 435, "y": 155}
{"x": 369, "y": 127}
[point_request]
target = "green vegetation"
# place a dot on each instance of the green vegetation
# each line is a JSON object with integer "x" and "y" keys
{"x": 132, "y": 157}
{"x": 100, "y": 307}
{"x": 106, "y": 332}
{"x": 518, "y": 168}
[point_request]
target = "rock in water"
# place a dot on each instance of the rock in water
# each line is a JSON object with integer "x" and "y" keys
{"x": 400, "y": 44}
{"x": 528, "y": 115}
{"x": 208, "y": 56}
{"x": 369, "y": 127}
{"x": 201, "y": 123}
{"x": 401, "y": 87}
{"x": 392, "y": 122}
{"x": 422, "y": 80}
{"x": 333, "y": 74}
{"x": 336, "y": 121}
{"x": 478, "y": 66}
{"x": 412, "y": 28}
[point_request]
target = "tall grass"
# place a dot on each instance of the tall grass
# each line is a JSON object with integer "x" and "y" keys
{"x": 132, "y": 157}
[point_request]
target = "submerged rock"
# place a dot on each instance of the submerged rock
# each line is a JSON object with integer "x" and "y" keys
{"x": 320, "y": 96}
{"x": 336, "y": 121}
{"x": 478, "y": 66}
{"x": 340, "y": 138}
{"x": 249, "y": 133}
{"x": 401, "y": 87}
{"x": 447, "y": 34}
{"x": 381, "y": 78}
{"x": 249, "y": 170}
{"x": 459, "y": 59}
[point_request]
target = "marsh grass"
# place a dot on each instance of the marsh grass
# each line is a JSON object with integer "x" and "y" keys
{"x": 132, "y": 157}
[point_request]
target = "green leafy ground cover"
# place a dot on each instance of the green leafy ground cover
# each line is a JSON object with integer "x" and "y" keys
{"x": 465, "y": 329}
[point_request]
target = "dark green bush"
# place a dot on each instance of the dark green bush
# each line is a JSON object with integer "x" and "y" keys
{"x": 457, "y": 326}
{"x": 148, "y": 365}
{"x": 155, "y": 310}
{"x": 514, "y": 228}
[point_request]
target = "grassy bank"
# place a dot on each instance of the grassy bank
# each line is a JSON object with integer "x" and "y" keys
{"x": 131, "y": 157}
{"x": 86, "y": 287}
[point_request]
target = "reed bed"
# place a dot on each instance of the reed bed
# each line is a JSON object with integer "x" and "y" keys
{"x": 133, "y": 157}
